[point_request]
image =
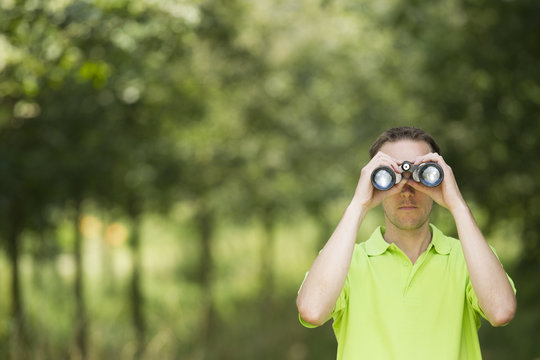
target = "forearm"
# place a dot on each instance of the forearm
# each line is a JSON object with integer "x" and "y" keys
{"x": 327, "y": 275}
{"x": 495, "y": 294}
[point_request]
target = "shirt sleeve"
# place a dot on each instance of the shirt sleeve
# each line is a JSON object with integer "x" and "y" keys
{"x": 341, "y": 302}
{"x": 472, "y": 299}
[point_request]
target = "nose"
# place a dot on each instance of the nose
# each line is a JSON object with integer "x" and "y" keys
{"x": 407, "y": 191}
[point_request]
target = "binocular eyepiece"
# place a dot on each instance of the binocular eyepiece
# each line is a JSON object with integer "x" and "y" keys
{"x": 430, "y": 174}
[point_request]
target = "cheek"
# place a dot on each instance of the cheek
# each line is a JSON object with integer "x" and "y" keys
{"x": 427, "y": 202}
{"x": 388, "y": 201}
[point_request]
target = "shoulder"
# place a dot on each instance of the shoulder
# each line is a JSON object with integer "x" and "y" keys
{"x": 450, "y": 247}
{"x": 360, "y": 250}
{"x": 361, "y": 256}
{"x": 443, "y": 243}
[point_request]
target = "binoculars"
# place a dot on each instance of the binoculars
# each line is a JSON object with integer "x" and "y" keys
{"x": 430, "y": 174}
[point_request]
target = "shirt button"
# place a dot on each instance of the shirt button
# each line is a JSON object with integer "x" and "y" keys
{"x": 405, "y": 263}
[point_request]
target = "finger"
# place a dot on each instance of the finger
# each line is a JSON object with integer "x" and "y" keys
{"x": 435, "y": 193}
{"x": 434, "y": 157}
{"x": 397, "y": 188}
{"x": 382, "y": 159}
{"x": 420, "y": 187}
{"x": 391, "y": 162}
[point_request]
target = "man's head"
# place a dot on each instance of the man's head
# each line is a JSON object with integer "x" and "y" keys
{"x": 409, "y": 209}
{"x": 403, "y": 133}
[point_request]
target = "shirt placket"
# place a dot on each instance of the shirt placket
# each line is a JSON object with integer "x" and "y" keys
{"x": 411, "y": 269}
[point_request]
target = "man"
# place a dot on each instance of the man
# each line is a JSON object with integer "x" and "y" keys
{"x": 408, "y": 292}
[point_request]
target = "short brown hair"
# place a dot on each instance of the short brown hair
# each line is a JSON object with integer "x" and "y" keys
{"x": 403, "y": 133}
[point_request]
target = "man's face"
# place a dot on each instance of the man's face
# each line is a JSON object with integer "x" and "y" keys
{"x": 409, "y": 209}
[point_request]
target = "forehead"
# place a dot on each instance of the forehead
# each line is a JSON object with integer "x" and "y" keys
{"x": 405, "y": 149}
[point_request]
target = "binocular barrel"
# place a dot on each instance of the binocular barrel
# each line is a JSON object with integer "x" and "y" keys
{"x": 430, "y": 174}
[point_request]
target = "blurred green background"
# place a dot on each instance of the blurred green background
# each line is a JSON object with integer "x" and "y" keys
{"x": 169, "y": 169}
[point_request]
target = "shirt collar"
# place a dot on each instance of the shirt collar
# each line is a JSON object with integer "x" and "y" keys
{"x": 440, "y": 242}
{"x": 376, "y": 245}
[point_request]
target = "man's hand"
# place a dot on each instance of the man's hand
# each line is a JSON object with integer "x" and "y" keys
{"x": 366, "y": 196}
{"x": 447, "y": 194}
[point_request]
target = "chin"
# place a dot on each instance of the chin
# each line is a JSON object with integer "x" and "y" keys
{"x": 407, "y": 225}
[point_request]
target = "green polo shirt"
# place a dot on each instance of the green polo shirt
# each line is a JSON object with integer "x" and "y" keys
{"x": 392, "y": 309}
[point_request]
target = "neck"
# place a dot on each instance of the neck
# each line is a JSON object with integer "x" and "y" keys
{"x": 412, "y": 242}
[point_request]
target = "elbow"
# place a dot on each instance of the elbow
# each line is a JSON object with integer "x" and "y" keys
{"x": 312, "y": 318}
{"x": 503, "y": 315}
{"x": 310, "y": 314}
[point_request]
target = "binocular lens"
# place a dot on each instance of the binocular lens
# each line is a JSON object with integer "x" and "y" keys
{"x": 383, "y": 179}
{"x": 431, "y": 176}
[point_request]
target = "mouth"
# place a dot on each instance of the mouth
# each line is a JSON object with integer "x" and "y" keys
{"x": 407, "y": 207}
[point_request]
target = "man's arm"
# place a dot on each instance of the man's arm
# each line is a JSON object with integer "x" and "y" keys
{"x": 327, "y": 275}
{"x": 495, "y": 293}
{"x": 325, "y": 280}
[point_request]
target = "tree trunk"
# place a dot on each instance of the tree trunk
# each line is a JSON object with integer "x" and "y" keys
{"x": 81, "y": 323}
{"x": 205, "y": 222}
{"x": 17, "y": 308}
{"x": 267, "y": 262}
{"x": 267, "y": 311}
{"x": 137, "y": 300}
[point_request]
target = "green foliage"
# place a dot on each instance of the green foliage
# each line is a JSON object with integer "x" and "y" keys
{"x": 243, "y": 126}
